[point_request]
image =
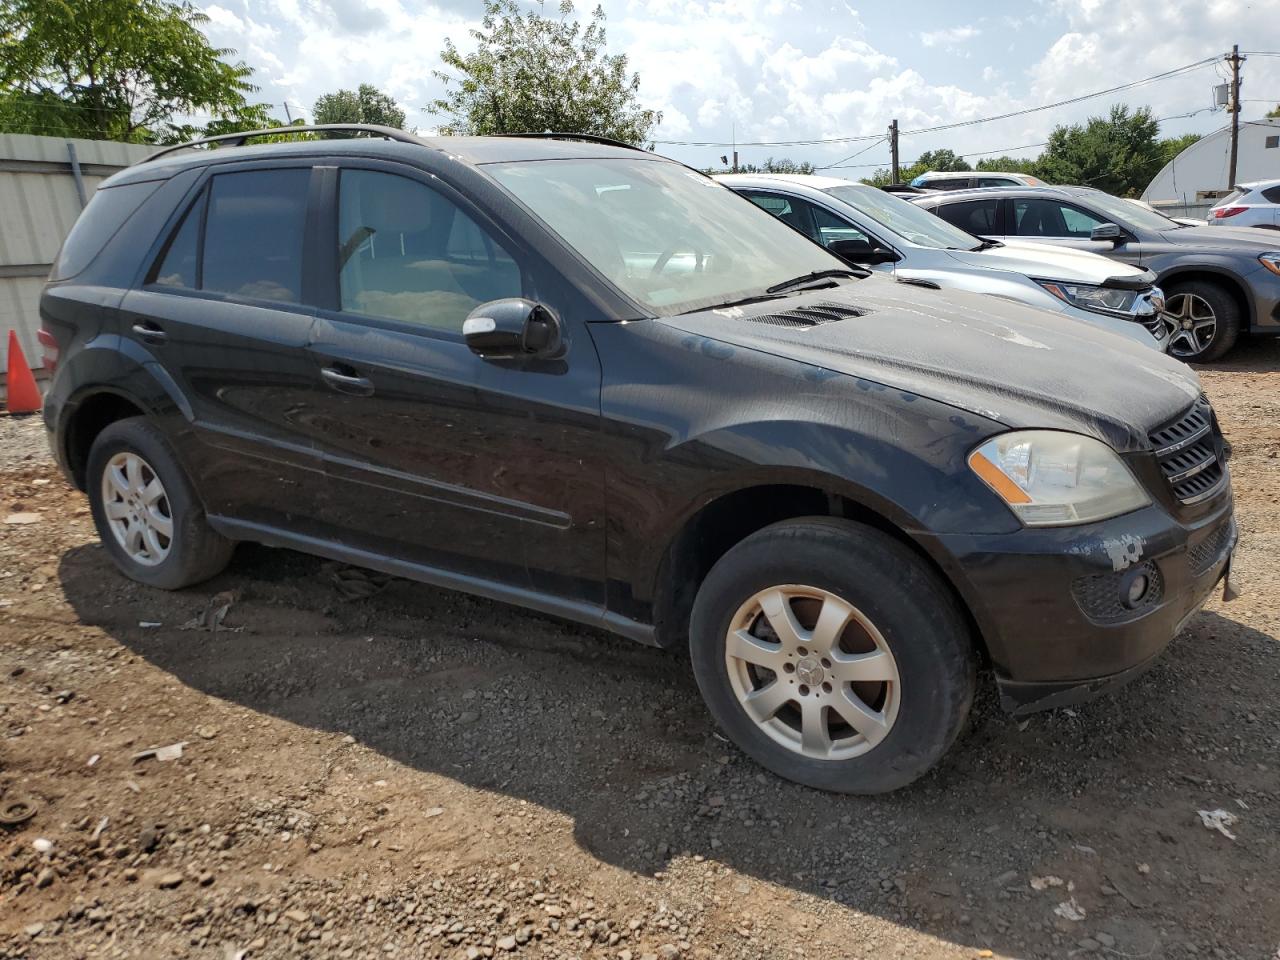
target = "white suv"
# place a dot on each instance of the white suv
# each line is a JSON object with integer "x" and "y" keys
{"x": 964, "y": 180}
{"x": 1249, "y": 205}
{"x": 873, "y": 228}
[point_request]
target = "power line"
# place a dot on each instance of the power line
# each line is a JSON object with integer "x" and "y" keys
{"x": 839, "y": 163}
{"x": 1166, "y": 75}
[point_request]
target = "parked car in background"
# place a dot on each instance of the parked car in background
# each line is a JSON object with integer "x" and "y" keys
{"x": 951, "y": 180}
{"x": 866, "y": 225}
{"x": 1218, "y": 283}
{"x": 584, "y": 379}
{"x": 1183, "y": 221}
{"x": 1249, "y": 205}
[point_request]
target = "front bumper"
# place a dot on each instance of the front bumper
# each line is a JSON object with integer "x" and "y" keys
{"x": 1050, "y": 601}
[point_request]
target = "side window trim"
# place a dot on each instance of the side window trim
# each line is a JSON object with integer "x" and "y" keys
{"x": 328, "y": 243}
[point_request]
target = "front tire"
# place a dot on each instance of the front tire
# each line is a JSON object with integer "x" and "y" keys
{"x": 147, "y": 513}
{"x": 833, "y": 655}
{"x": 1205, "y": 320}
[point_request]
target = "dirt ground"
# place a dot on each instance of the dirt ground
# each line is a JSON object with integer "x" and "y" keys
{"x": 423, "y": 774}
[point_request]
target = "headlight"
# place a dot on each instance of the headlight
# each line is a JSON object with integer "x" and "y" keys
{"x": 1049, "y": 478}
{"x": 1089, "y": 297}
{"x": 1271, "y": 261}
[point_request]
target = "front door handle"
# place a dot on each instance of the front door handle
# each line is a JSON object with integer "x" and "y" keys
{"x": 344, "y": 380}
{"x": 149, "y": 332}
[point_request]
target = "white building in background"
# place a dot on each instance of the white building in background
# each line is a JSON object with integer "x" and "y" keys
{"x": 1195, "y": 179}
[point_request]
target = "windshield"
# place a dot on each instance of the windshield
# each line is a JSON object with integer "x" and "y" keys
{"x": 1122, "y": 212}
{"x": 913, "y": 224}
{"x": 671, "y": 239}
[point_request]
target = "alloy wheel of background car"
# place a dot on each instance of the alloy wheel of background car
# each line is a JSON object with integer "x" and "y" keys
{"x": 1193, "y": 324}
{"x": 813, "y": 672}
{"x": 137, "y": 508}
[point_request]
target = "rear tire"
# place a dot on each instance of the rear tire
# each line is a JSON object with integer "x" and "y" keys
{"x": 147, "y": 513}
{"x": 864, "y": 686}
{"x": 1213, "y": 315}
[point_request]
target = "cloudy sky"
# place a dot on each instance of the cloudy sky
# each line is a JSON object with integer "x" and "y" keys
{"x": 785, "y": 70}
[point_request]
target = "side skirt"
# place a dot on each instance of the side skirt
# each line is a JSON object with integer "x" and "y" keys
{"x": 577, "y": 611}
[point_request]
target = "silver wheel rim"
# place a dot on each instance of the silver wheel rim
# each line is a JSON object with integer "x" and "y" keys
{"x": 812, "y": 672}
{"x": 137, "y": 509}
{"x": 1193, "y": 323}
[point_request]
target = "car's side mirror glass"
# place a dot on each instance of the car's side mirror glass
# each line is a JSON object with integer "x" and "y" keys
{"x": 1107, "y": 232}
{"x": 861, "y": 252}
{"x": 513, "y": 329}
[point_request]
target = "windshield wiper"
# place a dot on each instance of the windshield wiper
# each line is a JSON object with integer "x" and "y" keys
{"x": 816, "y": 275}
{"x": 986, "y": 245}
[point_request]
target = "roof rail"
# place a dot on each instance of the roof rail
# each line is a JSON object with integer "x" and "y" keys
{"x": 238, "y": 139}
{"x": 584, "y": 137}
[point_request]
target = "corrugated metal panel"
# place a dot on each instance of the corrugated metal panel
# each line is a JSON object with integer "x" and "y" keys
{"x": 37, "y": 210}
{"x": 19, "y": 297}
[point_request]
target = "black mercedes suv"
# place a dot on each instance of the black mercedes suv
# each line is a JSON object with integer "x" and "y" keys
{"x": 588, "y": 380}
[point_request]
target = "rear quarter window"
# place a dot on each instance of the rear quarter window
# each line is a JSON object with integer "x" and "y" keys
{"x": 1272, "y": 194}
{"x": 105, "y": 214}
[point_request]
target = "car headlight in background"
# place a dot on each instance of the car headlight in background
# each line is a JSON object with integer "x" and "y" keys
{"x": 1271, "y": 261}
{"x": 1050, "y": 478}
{"x": 1087, "y": 296}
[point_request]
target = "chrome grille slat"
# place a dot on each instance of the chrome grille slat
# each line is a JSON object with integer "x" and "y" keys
{"x": 1189, "y": 451}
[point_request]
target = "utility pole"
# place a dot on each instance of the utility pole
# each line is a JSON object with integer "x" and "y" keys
{"x": 1235, "y": 60}
{"x": 735, "y": 147}
{"x": 893, "y": 149}
{"x": 288, "y": 115}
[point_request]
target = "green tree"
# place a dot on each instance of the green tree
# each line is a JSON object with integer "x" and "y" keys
{"x": 367, "y": 104}
{"x": 941, "y": 160}
{"x": 1170, "y": 147}
{"x": 1274, "y": 112}
{"x": 1029, "y": 165}
{"x": 783, "y": 165}
{"x": 1119, "y": 153}
{"x": 531, "y": 73}
{"x": 116, "y": 70}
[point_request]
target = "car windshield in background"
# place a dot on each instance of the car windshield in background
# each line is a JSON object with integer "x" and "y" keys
{"x": 1122, "y": 211}
{"x": 671, "y": 239}
{"x": 904, "y": 218}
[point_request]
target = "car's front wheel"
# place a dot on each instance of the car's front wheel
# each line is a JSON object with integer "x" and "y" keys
{"x": 1204, "y": 320}
{"x": 146, "y": 510}
{"x": 833, "y": 655}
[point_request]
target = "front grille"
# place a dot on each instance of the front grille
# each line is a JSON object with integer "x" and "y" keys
{"x": 810, "y": 316}
{"x": 1099, "y": 596}
{"x": 1206, "y": 554}
{"x": 1190, "y": 452}
{"x": 1155, "y": 326}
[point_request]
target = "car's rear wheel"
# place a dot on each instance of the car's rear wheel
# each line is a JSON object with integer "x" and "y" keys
{"x": 146, "y": 510}
{"x": 833, "y": 655}
{"x": 1204, "y": 319}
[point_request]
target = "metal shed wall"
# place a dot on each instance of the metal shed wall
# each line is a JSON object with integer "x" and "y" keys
{"x": 40, "y": 199}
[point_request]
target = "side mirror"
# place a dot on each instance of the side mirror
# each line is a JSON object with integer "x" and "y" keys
{"x": 513, "y": 329}
{"x": 860, "y": 252}
{"x": 1108, "y": 233}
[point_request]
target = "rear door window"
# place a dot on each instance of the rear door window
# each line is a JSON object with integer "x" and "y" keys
{"x": 978, "y": 217}
{"x": 242, "y": 237}
{"x": 253, "y": 234}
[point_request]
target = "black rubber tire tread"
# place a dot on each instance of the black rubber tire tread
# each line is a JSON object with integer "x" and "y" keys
{"x": 914, "y": 610}
{"x": 1226, "y": 310}
{"x": 197, "y": 551}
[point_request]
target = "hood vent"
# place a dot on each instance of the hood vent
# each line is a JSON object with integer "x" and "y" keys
{"x": 813, "y": 315}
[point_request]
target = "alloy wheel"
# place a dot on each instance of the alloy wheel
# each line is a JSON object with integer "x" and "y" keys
{"x": 137, "y": 509}
{"x": 1192, "y": 322}
{"x": 813, "y": 672}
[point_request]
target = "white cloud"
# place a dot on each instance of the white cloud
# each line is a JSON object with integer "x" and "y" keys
{"x": 950, "y": 38}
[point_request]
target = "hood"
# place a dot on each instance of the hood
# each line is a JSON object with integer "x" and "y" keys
{"x": 1018, "y": 365}
{"x": 1048, "y": 262}
{"x": 1249, "y": 240}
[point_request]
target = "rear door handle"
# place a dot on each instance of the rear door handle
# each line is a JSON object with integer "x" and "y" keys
{"x": 345, "y": 382}
{"x": 149, "y": 332}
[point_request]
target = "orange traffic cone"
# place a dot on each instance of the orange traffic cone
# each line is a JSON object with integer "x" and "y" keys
{"x": 24, "y": 395}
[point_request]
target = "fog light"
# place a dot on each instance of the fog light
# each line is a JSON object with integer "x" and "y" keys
{"x": 1134, "y": 588}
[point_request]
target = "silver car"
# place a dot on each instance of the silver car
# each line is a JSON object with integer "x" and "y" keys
{"x": 1249, "y": 205}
